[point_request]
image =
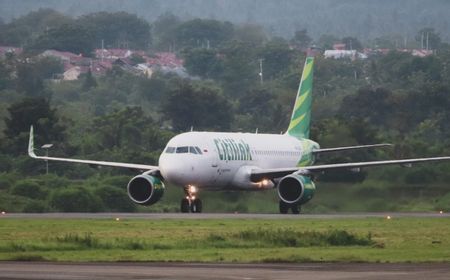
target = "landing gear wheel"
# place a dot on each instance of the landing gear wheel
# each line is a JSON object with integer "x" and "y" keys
{"x": 190, "y": 203}
{"x": 295, "y": 208}
{"x": 196, "y": 206}
{"x": 185, "y": 205}
{"x": 284, "y": 207}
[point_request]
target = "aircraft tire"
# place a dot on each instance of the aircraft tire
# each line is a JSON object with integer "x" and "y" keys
{"x": 284, "y": 207}
{"x": 184, "y": 205}
{"x": 295, "y": 208}
{"x": 196, "y": 206}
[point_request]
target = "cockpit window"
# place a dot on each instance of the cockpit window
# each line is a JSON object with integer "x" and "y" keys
{"x": 195, "y": 150}
{"x": 198, "y": 150}
{"x": 183, "y": 150}
{"x": 192, "y": 150}
{"x": 170, "y": 150}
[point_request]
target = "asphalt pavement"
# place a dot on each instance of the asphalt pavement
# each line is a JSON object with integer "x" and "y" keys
{"x": 168, "y": 271}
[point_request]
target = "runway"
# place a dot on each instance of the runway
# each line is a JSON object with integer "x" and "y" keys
{"x": 212, "y": 216}
{"x": 168, "y": 271}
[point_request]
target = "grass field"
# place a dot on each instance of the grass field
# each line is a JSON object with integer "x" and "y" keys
{"x": 282, "y": 240}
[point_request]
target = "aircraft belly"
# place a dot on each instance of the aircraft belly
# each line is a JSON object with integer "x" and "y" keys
{"x": 225, "y": 174}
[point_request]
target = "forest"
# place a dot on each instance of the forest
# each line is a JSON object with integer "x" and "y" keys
{"x": 364, "y": 19}
{"x": 393, "y": 98}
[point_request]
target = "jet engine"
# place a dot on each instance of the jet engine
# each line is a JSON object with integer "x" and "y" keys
{"x": 296, "y": 189}
{"x": 145, "y": 189}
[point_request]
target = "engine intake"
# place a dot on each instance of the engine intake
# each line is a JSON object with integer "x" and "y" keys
{"x": 296, "y": 189}
{"x": 145, "y": 189}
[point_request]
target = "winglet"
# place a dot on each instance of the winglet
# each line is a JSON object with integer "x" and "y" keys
{"x": 90, "y": 162}
{"x": 31, "y": 144}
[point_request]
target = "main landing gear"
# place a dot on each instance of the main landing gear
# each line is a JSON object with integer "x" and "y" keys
{"x": 284, "y": 207}
{"x": 191, "y": 203}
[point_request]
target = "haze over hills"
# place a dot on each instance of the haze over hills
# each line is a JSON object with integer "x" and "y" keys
{"x": 365, "y": 19}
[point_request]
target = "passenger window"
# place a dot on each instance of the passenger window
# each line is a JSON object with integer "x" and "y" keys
{"x": 182, "y": 150}
{"x": 170, "y": 150}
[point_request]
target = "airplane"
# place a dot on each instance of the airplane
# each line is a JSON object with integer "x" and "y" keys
{"x": 241, "y": 161}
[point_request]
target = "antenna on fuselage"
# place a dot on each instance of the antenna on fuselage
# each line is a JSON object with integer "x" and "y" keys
{"x": 256, "y": 131}
{"x": 192, "y": 128}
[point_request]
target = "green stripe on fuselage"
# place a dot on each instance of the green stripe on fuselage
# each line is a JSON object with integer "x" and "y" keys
{"x": 308, "y": 158}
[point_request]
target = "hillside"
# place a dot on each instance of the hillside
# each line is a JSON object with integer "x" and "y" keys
{"x": 365, "y": 19}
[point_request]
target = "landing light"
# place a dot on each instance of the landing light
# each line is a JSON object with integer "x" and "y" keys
{"x": 117, "y": 219}
{"x": 192, "y": 189}
{"x": 440, "y": 212}
{"x": 3, "y": 212}
{"x": 388, "y": 217}
{"x": 263, "y": 183}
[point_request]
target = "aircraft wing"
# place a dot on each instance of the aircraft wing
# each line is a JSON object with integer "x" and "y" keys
{"x": 260, "y": 174}
{"x": 340, "y": 149}
{"x": 90, "y": 162}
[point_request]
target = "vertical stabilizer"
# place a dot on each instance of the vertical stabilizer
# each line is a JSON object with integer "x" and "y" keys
{"x": 301, "y": 114}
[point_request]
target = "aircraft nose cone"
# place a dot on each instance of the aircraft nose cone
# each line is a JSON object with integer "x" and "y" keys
{"x": 176, "y": 171}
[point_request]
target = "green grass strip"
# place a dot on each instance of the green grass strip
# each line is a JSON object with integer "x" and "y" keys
{"x": 283, "y": 240}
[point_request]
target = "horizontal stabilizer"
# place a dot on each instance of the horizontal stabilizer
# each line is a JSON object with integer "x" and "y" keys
{"x": 341, "y": 149}
{"x": 261, "y": 174}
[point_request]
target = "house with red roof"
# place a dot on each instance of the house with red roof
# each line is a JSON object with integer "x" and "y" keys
{"x": 5, "y": 50}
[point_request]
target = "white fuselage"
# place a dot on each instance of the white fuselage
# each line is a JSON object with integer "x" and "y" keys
{"x": 214, "y": 160}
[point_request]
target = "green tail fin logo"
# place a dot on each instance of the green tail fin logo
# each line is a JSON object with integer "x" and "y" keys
{"x": 301, "y": 115}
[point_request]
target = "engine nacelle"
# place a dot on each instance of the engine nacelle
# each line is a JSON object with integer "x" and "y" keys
{"x": 145, "y": 189}
{"x": 296, "y": 189}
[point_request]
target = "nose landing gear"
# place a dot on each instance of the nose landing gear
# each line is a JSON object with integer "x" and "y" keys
{"x": 191, "y": 203}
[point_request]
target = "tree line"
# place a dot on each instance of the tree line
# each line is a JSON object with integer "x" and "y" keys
{"x": 396, "y": 98}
